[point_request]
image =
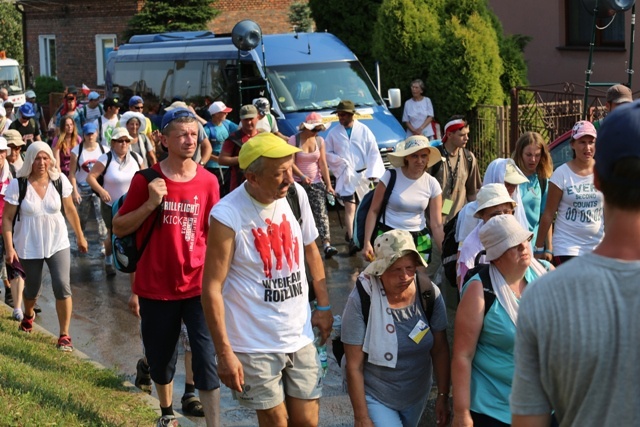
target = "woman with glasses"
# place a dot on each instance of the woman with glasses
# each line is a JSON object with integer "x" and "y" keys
{"x": 136, "y": 124}
{"x": 116, "y": 169}
{"x": 311, "y": 171}
{"x": 574, "y": 202}
{"x": 66, "y": 140}
{"x": 482, "y": 364}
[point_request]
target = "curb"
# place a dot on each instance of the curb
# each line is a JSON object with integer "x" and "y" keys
{"x": 148, "y": 399}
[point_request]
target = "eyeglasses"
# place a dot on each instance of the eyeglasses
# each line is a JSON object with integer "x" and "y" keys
{"x": 121, "y": 141}
{"x": 317, "y": 129}
{"x": 136, "y": 107}
{"x": 71, "y": 98}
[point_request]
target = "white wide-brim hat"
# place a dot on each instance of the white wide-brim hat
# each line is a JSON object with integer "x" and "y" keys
{"x": 411, "y": 145}
{"x": 134, "y": 114}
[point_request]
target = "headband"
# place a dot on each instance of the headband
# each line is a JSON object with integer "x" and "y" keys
{"x": 453, "y": 126}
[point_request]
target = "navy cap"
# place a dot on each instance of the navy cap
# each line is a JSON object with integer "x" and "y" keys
{"x": 176, "y": 113}
{"x": 618, "y": 138}
{"x": 135, "y": 100}
{"x": 90, "y": 127}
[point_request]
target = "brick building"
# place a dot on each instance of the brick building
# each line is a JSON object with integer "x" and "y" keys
{"x": 71, "y": 39}
{"x": 271, "y": 15}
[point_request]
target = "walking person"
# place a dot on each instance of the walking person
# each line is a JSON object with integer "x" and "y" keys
{"x": 353, "y": 157}
{"x": 255, "y": 270}
{"x": 311, "y": 171}
{"x": 117, "y": 168}
{"x": 578, "y": 226}
{"x": 168, "y": 282}
{"x": 40, "y": 234}
{"x": 83, "y": 157}
{"x": 218, "y": 130}
{"x": 63, "y": 143}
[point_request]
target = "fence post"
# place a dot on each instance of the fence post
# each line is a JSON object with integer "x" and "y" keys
{"x": 514, "y": 128}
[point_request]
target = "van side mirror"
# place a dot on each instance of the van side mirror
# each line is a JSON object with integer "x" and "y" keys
{"x": 395, "y": 98}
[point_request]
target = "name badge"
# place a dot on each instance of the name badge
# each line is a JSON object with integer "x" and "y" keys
{"x": 447, "y": 204}
{"x": 419, "y": 331}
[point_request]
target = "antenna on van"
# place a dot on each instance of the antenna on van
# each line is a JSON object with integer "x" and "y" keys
{"x": 246, "y": 36}
{"x": 308, "y": 45}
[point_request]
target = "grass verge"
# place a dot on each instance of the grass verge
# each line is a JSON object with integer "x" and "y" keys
{"x": 40, "y": 385}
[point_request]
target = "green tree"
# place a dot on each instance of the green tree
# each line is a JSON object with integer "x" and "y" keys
{"x": 351, "y": 21}
{"x": 452, "y": 45}
{"x": 158, "y": 16}
{"x": 11, "y": 31}
{"x": 300, "y": 17}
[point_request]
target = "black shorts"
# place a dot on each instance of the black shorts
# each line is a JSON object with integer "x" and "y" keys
{"x": 160, "y": 327}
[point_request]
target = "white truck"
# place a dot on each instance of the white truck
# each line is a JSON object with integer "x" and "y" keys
{"x": 11, "y": 79}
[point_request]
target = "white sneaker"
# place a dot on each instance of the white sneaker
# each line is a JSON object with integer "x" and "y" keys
{"x": 18, "y": 314}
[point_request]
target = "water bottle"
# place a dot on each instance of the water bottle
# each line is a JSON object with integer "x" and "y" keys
{"x": 322, "y": 351}
{"x": 337, "y": 326}
{"x": 331, "y": 199}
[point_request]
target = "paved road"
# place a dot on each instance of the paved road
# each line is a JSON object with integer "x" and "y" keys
{"x": 103, "y": 328}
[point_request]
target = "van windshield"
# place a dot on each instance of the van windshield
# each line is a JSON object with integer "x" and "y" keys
{"x": 309, "y": 87}
{"x": 11, "y": 79}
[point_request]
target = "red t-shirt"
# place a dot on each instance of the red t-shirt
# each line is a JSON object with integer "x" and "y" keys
{"x": 236, "y": 176}
{"x": 172, "y": 264}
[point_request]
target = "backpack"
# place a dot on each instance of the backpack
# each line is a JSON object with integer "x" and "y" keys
{"x": 436, "y": 168}
{"x": 294, "y": 203}
{"x": 363, "y": 210}
{"x": 125, "y": 250}
{"x": 100, "y": 178}
{"x": 427, "y": 301}
{"x": 485, "y": 278}
{"x": 84, "y": 112}
{"x": 450, "y": 251}
{"x": 80, "y": 147}
{"x": 22, "y": 193}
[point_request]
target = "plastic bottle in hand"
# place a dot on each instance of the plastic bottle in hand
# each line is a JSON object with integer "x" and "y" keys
{"x": 322, "y": 351}
{"x": 331, "y": 199}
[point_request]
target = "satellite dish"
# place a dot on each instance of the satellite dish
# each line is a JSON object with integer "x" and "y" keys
{"x": 246, "y": 35}
{"x": 608, "y": 5}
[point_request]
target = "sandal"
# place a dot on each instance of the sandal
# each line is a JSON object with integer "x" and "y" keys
{"x": 191, "y": 405}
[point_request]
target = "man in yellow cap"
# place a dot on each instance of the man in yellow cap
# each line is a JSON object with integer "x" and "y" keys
{"x": 255, "y": 292}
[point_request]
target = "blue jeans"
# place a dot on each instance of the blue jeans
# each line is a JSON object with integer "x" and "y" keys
{"x": 384, "y": 416}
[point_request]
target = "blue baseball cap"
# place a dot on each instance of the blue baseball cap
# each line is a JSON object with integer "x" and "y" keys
{"x": 93, "y": 95}
{"x": 618, "y": 138}
{"x": 26, "y": 110}
{"x": 90, "y": 127}
{"x": 135, "y": 100}
{"x": 174, "y": 114}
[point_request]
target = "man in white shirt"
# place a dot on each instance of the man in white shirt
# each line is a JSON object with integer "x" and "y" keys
{"x": 353, "y": 157}
{"x": 109, "y": 120}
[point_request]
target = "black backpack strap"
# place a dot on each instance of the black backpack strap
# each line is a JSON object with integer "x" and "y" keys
{"x": 80, "y": 147}
{"x": 150, "y": 174}
{"x": 294, "y": 202}
{"x": 365, "y": 301}
{"x": 298, "y": 140}
{"x": 487, "y": 287}
{"x": 427, "y": 294}
{"x": 543, "y": 186}
{"x": 58, "y": 186}
{"x": 12, "y": 170}
{"x": 387, "y": 194}
{"x": 469, "y": 157}
{"x": 236, "y": 138}
{"x": 137, "y": 158}
{"x": 22, "y": 192}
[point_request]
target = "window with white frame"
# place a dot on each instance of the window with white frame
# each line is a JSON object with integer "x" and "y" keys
{"x": 105, "y": 44}
{"x": 47, "y": 45}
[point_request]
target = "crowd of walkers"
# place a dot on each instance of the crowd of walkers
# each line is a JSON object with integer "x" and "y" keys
{"x": 227, "y": 215}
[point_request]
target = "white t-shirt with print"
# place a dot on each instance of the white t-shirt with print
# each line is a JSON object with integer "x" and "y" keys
{"x": 579, "y": 226}
{"x": 41, "y": 231}
{"x": 87, "y": 160}
{"x": 266, "y": 292}
{"x": 108, "y": 125}
{"x": 409, "y": 200}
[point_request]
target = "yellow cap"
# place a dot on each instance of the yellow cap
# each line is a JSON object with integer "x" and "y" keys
{"x": 264, "y": 144}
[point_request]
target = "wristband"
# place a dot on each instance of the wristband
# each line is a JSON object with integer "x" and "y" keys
{"x": 538, "y": 251}
{"x": 323, "y": 307}
{"x": 547, "y": 251}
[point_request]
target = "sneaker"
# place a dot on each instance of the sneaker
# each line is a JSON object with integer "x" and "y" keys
{"x": 353, "y": 249}
{"x": 18, "y": 314}
{"x": 110, "y": 270}
{"x": 37, "y": 308}
{"x": 64, "y": 343}
{"x": 167, "y": 421}
{"x": 329, "y": 251}
{"x": 143, "y": 378}
{"x": 191, "y": 405}
{"x": 8, "y": 298}
{"x": 26, "y": 324}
